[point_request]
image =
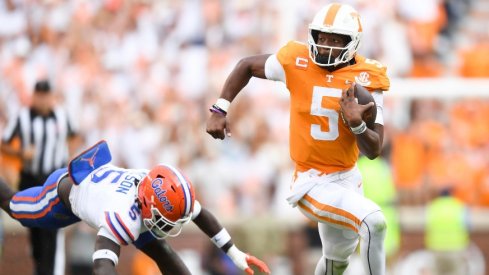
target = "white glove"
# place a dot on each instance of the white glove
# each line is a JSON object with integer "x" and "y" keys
{"x": 242, "y": 261}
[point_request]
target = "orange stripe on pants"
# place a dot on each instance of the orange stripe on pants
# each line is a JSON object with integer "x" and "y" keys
{"x": 327, "y": 219}
{"x": 331, "y": 209}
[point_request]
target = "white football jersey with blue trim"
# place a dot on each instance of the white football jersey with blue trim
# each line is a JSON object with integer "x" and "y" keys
{"x": 106, "y": 200}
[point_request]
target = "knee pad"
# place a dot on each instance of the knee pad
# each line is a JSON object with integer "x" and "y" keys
{"x": 338, "y": 244}
{"x": 374, "y": 223}
{"x": 372, "y": 232}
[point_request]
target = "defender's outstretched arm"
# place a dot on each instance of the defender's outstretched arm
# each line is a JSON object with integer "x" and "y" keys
{"x": 209, "y": 224}
{"x": 165, "y": 257}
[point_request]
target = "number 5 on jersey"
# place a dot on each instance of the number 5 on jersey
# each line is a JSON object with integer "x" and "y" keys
{"x": 318, "y": 110}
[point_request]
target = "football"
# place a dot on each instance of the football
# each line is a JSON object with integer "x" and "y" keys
{"x": 364, "y": 97}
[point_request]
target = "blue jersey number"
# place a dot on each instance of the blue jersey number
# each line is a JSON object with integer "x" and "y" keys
{"x": 134, "y": 211}
{"x": 103, "y": 174}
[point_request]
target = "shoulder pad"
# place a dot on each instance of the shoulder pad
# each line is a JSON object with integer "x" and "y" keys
{"x": 293, "y": 49}
{"x": 371, "y": 74}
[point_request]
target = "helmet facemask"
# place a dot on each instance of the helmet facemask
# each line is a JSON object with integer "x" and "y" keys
{"x": 346, "y": 53}
{"x": 161, "y": 227}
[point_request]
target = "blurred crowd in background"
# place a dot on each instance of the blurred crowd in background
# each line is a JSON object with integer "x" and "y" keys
{"x": 142, "y": 74}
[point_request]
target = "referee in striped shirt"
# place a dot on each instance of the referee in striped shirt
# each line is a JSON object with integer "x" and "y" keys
{"x": 45, "y": 134}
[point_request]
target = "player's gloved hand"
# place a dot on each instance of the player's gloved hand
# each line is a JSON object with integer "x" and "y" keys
{"x": 244, "y": 261}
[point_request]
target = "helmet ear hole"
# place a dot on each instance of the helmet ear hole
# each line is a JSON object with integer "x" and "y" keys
{"x": 348, "y": 39}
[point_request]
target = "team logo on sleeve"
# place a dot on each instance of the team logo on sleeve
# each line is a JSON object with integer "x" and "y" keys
{"x": 363, "y": 79}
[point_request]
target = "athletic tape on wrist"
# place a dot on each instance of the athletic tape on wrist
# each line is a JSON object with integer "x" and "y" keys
{"x": 223, "y": 104}
{"x": 238, "y": 257}
{"x": 105, "y": 254}
{"x": 360, "y": 128}
{"x": 221, "y": 238}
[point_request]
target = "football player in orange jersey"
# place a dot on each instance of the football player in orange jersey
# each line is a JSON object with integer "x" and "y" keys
{"x": 327, "y": 185}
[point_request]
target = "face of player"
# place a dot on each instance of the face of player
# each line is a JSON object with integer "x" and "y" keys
{"x": 330, "y": 46}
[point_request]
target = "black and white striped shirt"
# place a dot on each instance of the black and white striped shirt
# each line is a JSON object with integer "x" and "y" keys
{"x": 48, "y": 134}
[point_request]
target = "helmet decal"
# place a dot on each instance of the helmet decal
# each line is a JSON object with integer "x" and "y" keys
{"x": 160, "y": 194}
{"x": 331, "y": 14}
{"x": 355, "y": 14}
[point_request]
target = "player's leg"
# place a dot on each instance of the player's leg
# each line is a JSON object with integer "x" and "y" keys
{"x": 41, "y": 206}
{"x": 372, "y": 232}
{"x": 6, "y": 194}
{"x": 337, "y": 200}
{"x": 338, "y": 244}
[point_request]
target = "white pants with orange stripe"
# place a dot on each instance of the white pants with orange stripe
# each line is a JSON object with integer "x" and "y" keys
{"x": 337, "y": 203}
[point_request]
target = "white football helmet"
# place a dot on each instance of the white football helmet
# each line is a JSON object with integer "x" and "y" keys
{"x": 339, "y": 19}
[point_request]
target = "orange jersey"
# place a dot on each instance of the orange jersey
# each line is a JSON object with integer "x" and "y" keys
{"x": 319, "y": 138}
